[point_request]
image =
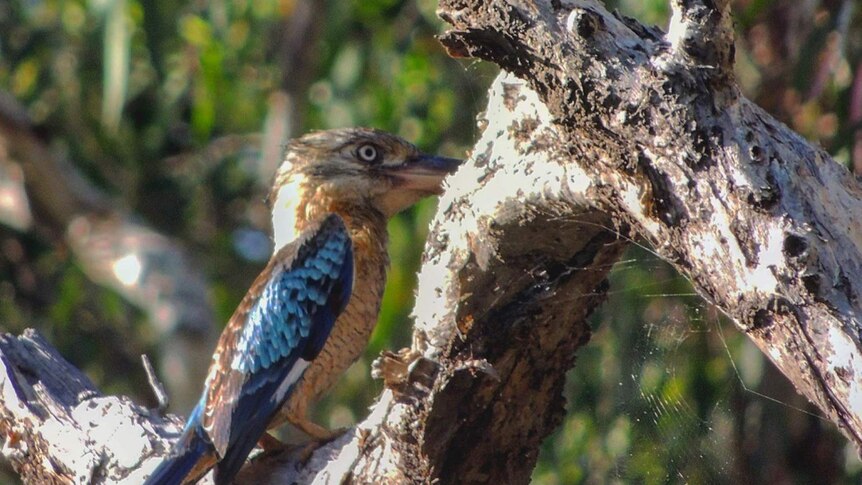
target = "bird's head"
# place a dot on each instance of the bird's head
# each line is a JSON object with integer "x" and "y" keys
{"x": 356, "y": 167}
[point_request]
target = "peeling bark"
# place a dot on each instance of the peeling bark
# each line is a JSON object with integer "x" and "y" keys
{"x": 604, "y": 129}
{"x": 58, "y": 429}
{"x": 762, "y": 222}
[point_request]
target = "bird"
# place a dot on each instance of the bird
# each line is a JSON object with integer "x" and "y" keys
{"x": 309, "y": 314}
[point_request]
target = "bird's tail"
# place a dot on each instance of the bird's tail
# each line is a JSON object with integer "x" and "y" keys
{"x": 193, "y": 455}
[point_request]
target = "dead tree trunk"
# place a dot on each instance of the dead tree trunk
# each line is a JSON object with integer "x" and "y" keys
{"x": 603, "y": 128}
{"x": 764, "y": 224}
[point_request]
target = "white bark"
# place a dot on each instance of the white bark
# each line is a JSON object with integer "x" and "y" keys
{"x": 761, "y": 221}
{"x": 606, "y": 129}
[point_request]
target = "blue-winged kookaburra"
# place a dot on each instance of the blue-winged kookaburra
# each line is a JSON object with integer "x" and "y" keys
{"x": 309, "y": 314}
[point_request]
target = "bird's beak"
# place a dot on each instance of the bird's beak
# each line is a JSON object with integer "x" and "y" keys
{"x": 424, "y": 173}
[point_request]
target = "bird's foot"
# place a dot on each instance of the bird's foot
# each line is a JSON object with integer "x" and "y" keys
{"x": 405, "y": 371}
{"x": 273, "y": 447}
{"x": 270, "y": 444}
{"x": 317, "y": 442}
{"x": 317, "y": 432}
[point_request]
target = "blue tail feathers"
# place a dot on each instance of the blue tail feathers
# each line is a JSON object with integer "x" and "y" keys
{"x": 192, "y": 448}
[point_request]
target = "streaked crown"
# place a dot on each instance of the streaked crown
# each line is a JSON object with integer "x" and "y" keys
{"x": 361, "y": 168}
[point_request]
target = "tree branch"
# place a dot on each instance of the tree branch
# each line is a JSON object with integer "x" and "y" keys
{"x": 57, "y": 427}
{"x": 761, "y": 221}
{"x": 604, "y": 130}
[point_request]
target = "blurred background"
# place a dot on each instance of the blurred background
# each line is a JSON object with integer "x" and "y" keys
{"x": 139, "y": 137}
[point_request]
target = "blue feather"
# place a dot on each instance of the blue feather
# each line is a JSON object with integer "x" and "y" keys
{"x": 284, "y": 326}
{"x": 192, "y": 448}
{"x": 295, "y": 337}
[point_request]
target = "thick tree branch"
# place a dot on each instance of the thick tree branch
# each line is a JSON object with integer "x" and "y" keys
{"x": 761, "y": 221}
{"x": 58, "y": 428}
{"x": 607, "y": 128}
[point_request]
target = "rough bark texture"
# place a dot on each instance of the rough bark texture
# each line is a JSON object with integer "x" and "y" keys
{"x": 58, "y": 428}
{"x": 763, "y": 223}
{"x": 605, "y": 129}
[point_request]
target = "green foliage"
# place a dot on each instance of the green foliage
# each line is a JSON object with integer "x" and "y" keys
{"x": 132, "y": 90}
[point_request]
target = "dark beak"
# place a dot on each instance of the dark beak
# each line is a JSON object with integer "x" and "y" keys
{"x": 425, "y": 173}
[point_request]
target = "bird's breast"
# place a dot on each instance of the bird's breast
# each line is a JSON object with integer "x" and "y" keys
{"x": 352, "y": 329}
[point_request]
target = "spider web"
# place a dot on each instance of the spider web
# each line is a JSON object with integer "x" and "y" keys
{"x": 668, "y": 391}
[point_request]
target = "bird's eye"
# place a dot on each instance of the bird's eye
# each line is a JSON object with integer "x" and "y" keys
{"x": 368, "y": 153}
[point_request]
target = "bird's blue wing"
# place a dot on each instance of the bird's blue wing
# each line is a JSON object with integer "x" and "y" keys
{"x": 279, "y": 327}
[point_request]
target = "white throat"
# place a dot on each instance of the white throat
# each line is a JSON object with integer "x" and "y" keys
{"x": 284, "y": 214}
